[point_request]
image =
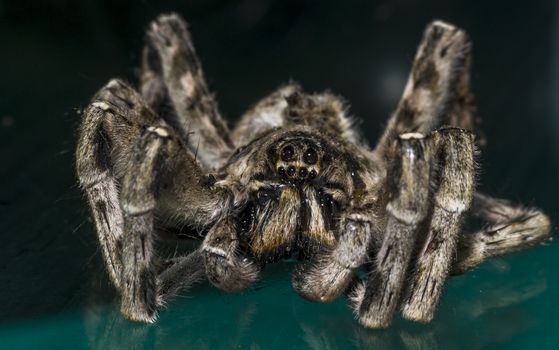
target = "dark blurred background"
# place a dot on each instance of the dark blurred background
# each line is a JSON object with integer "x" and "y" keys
{"x": 54, "y": 55}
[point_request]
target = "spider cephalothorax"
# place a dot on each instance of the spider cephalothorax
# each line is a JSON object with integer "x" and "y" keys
{"x": 301, "y": 167}
{"x": 293, "y": 179}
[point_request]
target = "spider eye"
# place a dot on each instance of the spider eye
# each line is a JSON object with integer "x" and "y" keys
{"x": 291, "y": 171}
{"x": 287, "y": 153}
{"x": 310, "y": 157}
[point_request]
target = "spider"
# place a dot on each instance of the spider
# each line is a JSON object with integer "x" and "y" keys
{"x": 292, "y": 179}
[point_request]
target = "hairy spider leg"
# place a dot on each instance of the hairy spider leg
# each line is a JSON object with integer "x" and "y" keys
{"x": 332, "y": 270}
{"x": 508, "y": 228}
{"x": 437, "y": 92}
{"x": 380, "y": 296}
{"x": 226, "y": 267}
{"x": 173, "y": 84}
{"x": 454, "y": 153}
{"x": 115, "y": 107}
{"x": 132, "y": 167}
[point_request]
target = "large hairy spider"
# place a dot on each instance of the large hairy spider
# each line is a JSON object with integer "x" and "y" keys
{"x": 293, "y": 179}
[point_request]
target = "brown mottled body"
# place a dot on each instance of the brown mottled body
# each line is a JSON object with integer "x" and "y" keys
{"x": 292, "y": 179}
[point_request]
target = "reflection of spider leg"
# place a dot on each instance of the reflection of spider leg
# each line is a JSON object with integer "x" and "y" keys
{"x": 418, "y": 341}
{"x": 454, "y": 149}
{"x": 377, "y": 300}
{"x": 129, "y": 171}
{"x": 437, "y": 92}
{"x": 173, "y": 84}
{"x": 509, "y": 229}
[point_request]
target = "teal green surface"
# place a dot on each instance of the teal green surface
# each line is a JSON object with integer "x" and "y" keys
{"x": 508, "y": 303}
{"x": 54, "y": 293}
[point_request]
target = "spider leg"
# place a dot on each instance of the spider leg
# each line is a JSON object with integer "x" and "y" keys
{"x": 160, "y": 161}
{"x": 173, "y": 84}
{"x": 131, "y": 172}
{"x": 509, "y": 229}
{"x": 138, "y": 201}
{"x": 454, "y": 150}
{"x": 114, "y": 109}
{"x": 332, "y": 270}
{"x": 226, "y": 267}
{"x": 178, "y": 275}
{"x": 377, "y": 300}
{"x": 437, "y": 92}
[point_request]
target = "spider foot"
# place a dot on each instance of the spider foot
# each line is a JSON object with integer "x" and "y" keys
{"x": 169, "y": 35}
{"x": 140, "y": 304}
{"x": 323, "y": 282}
{"x": 225, "y": 268}
{"x": 331, "y": 273}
